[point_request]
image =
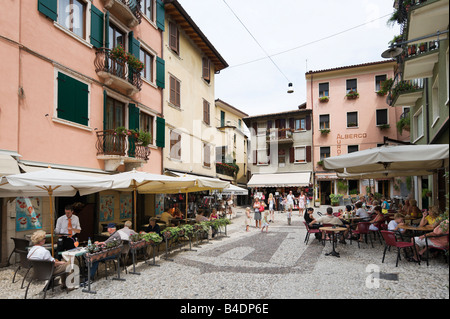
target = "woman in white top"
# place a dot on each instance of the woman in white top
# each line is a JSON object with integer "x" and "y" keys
{"x": 301, "y": 203}
{"x": 271, "y": 202}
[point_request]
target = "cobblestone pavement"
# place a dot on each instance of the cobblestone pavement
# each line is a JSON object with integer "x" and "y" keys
{"x": 273, "y": 265}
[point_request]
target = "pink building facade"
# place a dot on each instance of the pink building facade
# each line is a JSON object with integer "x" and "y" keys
{"x": 350, "y": 114}
{"x": 66, "y": 91}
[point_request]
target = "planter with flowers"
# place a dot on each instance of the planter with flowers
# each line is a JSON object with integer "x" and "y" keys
{"x": 324, "y": 99}
{"x": 352, "y": 95}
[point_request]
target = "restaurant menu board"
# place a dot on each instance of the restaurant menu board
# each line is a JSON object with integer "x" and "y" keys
{"x": 106, "y": 208}
{"x": 28, "y": 213}
{"x": 125, "y": 206}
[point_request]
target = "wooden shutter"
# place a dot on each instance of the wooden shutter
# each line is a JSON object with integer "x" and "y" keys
{"x": 97, "y": 27}
{"x": 73, "y": 99}
{"x": 308, "y": 122}
{"x": 133, "y": 117}
{"x": 255, "y": 157}
{"x": 291, "y": 123}
{"x": 65, "y": 102}
{"x": 206, "y": 69}
{"x": 291, "y": 155}
{"x": 206, "y": 114}
{"x": 105, "y": 109}
{"x": 160, "y": 14}
{"x": 160, "y": 73}
{"x": 160, "y": 132}
{"x": 207, "y": 155}
{"x": 134, "y": 46}
{"x": 174, "y": 37}
{"x": 49, "y": 8}
{"x": 255, "y": 127}
{"x": 308, "y": 154}
{"x": 81, "y": 103}
{"x": 106, "y": 29}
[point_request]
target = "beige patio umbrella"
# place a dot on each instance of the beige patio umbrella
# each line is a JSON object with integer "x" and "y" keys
{"x": 390, "y": 159}
{"x": 52, "y": 183}
{"x": 147, "y": 183}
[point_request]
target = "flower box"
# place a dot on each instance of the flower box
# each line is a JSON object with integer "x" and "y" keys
{"x": 324, "y": 99}
{"x": 351, "y": 95}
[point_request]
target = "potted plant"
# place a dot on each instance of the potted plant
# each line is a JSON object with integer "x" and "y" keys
{"x": 324, "y": 99}
{"x": 422, "y": 47}
{"x": 384, "y": 126}
{"x": 118, "y": 53}
{"x": 320, "y": 163}
{"x": 135, "y": 63}
{"x": 325, "y": 130}
{"x": 335, "y": 199}
{"x": 152, "y": 238}
{"x": 403, "y": 124}
{"x": 412, "y": 49}
{"x": 351, "y": 95}
{"x": 352, "y": 124}
{"x": 144, "y": 138}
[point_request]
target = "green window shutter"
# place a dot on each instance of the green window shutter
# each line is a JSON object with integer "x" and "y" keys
{"x": 49, "y": 8}
{"x": 160, "y": 14}
{"x": 133, "y": 117}
{"x": 134, "y": 46}
{"x": 97, "y": 25}
{"x": 107, "y": 29}
{"x": 105, "y": 109}
{"x": 73, "y": 100}
{"x": 160, "y": 72}
{"x": 160, "y": 132}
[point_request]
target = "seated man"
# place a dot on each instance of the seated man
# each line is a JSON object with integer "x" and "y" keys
{"x": 200, "y": 217}
{"x": 332, "y": 220}
{"x": 153, "y": 227}
{"x": 126, "y": 231}
{"x": 166, "y": 217}
{"x": 38, "y": 252}
{"x": 361, "y": 212}
{"x": 114, "y": 235}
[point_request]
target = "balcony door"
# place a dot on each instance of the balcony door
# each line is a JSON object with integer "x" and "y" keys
{"x": 115, "y": 114}
{"x": 116, "y": 38}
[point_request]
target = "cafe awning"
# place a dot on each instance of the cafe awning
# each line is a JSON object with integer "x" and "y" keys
{"x": 280, "y": 180}
{"x": 8, "y": 165}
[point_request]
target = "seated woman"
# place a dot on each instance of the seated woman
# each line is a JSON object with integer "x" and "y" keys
{"x": 435, "y": 239}
{"x": 379, "y": 217}
{"x": 429, "y": 218}
{"x": 413, "y": 210}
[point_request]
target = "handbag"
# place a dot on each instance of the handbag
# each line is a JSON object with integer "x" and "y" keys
{"x": 261, "y": 208}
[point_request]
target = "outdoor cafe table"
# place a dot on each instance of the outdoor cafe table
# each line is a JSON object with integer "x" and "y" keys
{"x": 334, "y": 230}
{"x": 417, "y": 229}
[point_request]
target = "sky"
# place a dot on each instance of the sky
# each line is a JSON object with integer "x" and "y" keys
{"x": 298, "y": 36}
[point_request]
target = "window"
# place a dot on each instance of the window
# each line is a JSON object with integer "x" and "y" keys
{"x": 116, "y": 36}
{"x": 352, "y": 119}
{"x": 324, "y": 152}
{"x": 175, "y": 145}
{"x": 115, "y": 114}
{"x": 379, "y": 79}
{"x": 300, "y": 124}
{"x": 206, "y": 155}
{"x": 352, "y": 148}
{"x": 146, "y": 123}
{"x": 382, "y": 117}
{"x": 175, "y": 87}
{"x": 206, "y": 114}
{"x": 323, "y": 89}
{"x": 418, "y": 124}
{"x": 147, "y": 59}
{"x": 174, "y": 38}
{"x": 239, "y": 123}
{"x": 72, "y": 100}
{"x": 324, "y": 121}
{"x": 447, "y": 74}
{"x": 206, "y": 69}
{"x": 351, "y": 85}
{"x": 148, "y": 9}
{"x": 72, "y": 16}
{"x": 300, "y": 154}
{"x": 263, "y": 158}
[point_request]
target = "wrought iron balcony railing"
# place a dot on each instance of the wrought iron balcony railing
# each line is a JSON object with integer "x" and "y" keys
{"x": 109, "y": 142}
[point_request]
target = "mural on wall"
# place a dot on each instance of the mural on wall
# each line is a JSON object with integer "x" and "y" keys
{"x": 125, "y": 206}
{"x": 106, "y": 208}
{"x": 159, "y": 204}
{"x": 28, "y": 213}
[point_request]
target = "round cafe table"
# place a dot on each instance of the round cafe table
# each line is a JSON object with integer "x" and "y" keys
{"x": 333, "y": 230}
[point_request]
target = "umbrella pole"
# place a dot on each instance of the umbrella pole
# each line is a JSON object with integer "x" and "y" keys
{"x": 50, "y": 193}
{"x": 134, "y": 192}
{"x": 186, "y": 204}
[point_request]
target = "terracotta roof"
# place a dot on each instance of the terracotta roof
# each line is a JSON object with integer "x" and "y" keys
{"x": 351, "y": 66}
{"x": 247, "y": 119}
{"x": 232, "y": 107}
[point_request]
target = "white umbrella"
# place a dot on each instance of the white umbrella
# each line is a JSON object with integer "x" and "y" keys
{"x": 148, "y": 183}
{"x": 385, "y": 174}
{"x": 389, "y": 158}
{"x": 51, "y": 182}
{"x": 236, "y": 190}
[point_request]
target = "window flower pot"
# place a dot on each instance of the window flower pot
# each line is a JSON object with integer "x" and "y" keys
{"x": 352, "y": 95}
{"x": 324, "y": 99}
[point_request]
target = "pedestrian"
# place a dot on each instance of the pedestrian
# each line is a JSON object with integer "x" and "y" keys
{"x": 265, "y": 222}
{"x": 248, "y": 218}
{"x": 271, "y": 202}
{"x": 257, "y": 215}
{"x": 301, "y": 203}
{"x": 290, "y": 203}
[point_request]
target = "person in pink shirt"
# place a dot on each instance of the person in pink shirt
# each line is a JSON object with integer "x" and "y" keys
{"x": 435, "y": 238}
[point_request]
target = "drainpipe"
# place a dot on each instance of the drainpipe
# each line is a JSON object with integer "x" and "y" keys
{"x": 427, "y": 107}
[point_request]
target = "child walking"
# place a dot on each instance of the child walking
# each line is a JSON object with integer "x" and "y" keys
{"x": 248, "y": 218}
{"x": 265, "y": 222}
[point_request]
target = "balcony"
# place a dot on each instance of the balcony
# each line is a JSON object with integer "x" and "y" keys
{"x": 282, "y": 136}
{"x": 117, "y": 73}
{"x": 420, "y": 59}
{"x": 128, "y": 11}
{"x": 404, "y": 92}
{"x": 117, "y": 149}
